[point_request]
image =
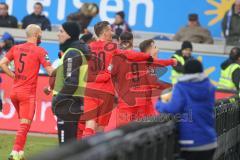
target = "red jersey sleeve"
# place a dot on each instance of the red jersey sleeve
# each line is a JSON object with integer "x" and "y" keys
{"x": 43, "y": 58}
{"x": 9, "y": 54}
{"x": 164, "y": 63}
{"x": 134, "y": 55}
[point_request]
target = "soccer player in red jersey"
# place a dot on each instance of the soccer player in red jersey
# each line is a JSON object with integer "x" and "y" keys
{"x": 99, "y": 94}
{"x": 134, "y": 82}
{"x": 27, "y": 59}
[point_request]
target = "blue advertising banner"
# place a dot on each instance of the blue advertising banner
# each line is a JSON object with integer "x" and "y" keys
{"x": 165, "y": 16}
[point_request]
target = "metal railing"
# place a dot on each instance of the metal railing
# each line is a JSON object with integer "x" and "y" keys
{"x": 153, "y": 139}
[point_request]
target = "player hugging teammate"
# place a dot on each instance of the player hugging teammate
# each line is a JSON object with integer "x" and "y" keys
{"x": 116, "y": 72}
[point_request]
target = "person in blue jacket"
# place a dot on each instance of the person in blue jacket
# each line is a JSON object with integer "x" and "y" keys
{"x": 192, "y": 102}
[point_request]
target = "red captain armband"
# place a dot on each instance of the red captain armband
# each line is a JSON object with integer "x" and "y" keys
{"x": 88, "y": 132}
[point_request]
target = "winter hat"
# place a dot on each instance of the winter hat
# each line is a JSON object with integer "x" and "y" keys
{"x": 193, "y": 17}
{"x": 193, "y": 66}
{"x": 187, "y": 44}
{"x": 72, "y": 30}
{"x": 121, "y": 14}
{"x": 235, "y": 53}
{"x": 6, "y": 36}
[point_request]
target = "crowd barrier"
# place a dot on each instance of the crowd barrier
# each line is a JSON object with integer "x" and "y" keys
{"x": 153, "y": 139}
{"x": 228, "y": 129}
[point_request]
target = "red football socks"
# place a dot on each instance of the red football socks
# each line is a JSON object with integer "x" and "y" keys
{"x": 88, "y": 132}
{"x": 81, "y": 127}
{"x": 21, "y": 137}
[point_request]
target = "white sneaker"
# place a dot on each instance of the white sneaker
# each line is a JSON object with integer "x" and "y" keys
{"x": 13, "y": 156}
{"x": 21, "y": 155}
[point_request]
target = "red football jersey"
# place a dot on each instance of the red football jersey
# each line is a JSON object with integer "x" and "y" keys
{"x": 27, "y": 58}
{"x": 136, "y": 82}
{"x": 102, "y": 53}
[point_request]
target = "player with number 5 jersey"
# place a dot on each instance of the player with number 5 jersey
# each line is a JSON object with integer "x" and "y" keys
{"x": 27, "y": 59}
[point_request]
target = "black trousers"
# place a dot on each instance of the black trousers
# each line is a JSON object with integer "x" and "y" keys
{"x": 198, "y": 155}
{"x": 68, "y": 110}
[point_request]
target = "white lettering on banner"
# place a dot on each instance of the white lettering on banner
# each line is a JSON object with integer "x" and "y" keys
{"x": 61, "y": 9}
{"x": 11, "y": 112}
{"x": 10, "y": 6}
{"x": 133, "y": 12}
{"x": 77, "y": 3}
{"x": 105, "y": 8}
{"x": 44, "y": 107}
{"x": 30, "y": 4}
{"x": 104, "y": 5}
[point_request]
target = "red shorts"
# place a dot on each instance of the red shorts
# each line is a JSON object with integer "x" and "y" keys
{"x": 98, "y": 108}
{"x": 24, "y": 103}
{"x": 128, "y": 114}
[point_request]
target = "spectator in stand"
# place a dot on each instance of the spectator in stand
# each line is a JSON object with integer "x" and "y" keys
{"x": 193, "y": 101}
{"x": 230, "y": 71}
{"x": 115, "y": 39}
{"x": 126, "y": 41}
{"x": 120, "y": 25}
{"x": 7, "y": 41}
{"x": 182, "y": 55}
{"x": 5, "y": 19}
{"x": 193, "y": 32}
{"x": 231, "y": 25}
{"x": 37, "y": 18}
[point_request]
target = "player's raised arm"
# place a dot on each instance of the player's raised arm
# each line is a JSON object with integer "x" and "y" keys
{"x": 163, "y": 63}
{"x": 135, "y": 55}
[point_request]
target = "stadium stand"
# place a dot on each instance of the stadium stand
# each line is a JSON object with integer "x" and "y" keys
{"x": 218, "y": 48}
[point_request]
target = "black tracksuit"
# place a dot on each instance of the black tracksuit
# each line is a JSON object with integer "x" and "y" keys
{"x": 66, "y": 107}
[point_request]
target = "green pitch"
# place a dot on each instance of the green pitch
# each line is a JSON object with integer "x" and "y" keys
{"x": 33, "y": 146}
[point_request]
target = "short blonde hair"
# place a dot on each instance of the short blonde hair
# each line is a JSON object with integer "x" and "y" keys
{"x": 32, "y": 30}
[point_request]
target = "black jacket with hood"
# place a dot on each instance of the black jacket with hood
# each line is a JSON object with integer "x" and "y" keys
{"x": 73, "y": 65}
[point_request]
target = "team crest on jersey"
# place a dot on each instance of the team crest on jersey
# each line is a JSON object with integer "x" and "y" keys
{"x": 46, "y": 57}
{"x": 110, "y": 67}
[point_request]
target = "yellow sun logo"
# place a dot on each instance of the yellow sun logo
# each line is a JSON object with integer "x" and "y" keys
{"x": 221, "y": 8}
